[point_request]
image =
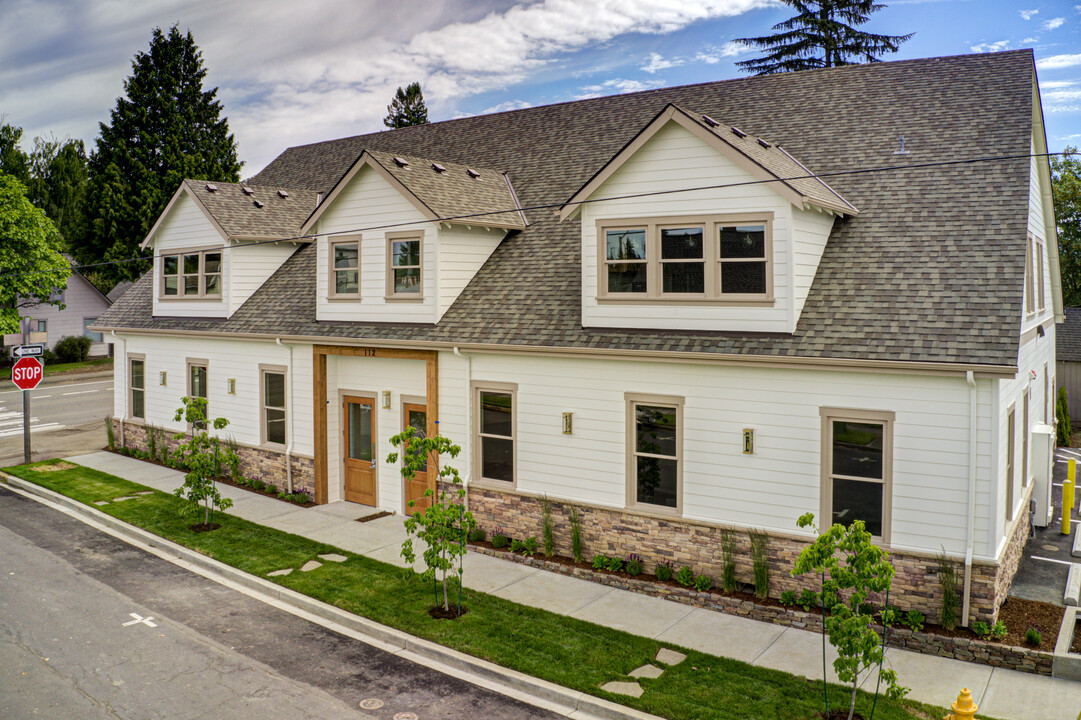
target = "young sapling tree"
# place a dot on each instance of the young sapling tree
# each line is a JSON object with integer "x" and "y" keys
{"x": 202, "y": 454}
{"x": 445, "y": 523}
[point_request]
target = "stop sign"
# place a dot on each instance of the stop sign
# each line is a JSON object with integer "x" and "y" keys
{"x": 26, "y": 373}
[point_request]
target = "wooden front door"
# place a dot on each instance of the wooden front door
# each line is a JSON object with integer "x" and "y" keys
{"x": 416, "y": 416}
{"x": 358, "y": 442}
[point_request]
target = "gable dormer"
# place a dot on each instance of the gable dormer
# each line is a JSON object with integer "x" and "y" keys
{"x": 216, "y": 243}
{"x": 399, "y": 237}
{"x": 695, "y": 225}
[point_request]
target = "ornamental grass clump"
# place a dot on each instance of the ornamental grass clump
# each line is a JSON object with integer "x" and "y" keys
{"x": 728, "y": 561}
{"x": 546, "y": 530}
{"x": 576, "y": 534}
{"x": 951, "y": 600}
{"x": 760, "y": 561}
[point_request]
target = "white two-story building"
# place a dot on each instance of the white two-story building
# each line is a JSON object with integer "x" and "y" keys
{"x": 682, "y": 311}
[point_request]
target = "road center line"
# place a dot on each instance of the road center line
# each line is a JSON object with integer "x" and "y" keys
{"x": 83, "y": 392}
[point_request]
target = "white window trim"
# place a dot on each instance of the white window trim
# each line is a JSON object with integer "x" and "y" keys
{"x": 265, "y": 370}
{"x": 712, "y": 260}
{"x": 1011, "y": 458}
{"x": 391, "y": 238}
{"x": 632, "y": 400}
{"x": 332, "y": 293}
{"x": 884, "y": 417}
{"x": 180, "y": 274}
{"x": 478, "y": 451}
{"x": 131, "y": 417}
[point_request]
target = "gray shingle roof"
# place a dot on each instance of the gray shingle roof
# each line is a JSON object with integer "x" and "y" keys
{"x": 1068, "y": 337}
{"x": 238, "y": 214}
{"x": 930, "y": 270}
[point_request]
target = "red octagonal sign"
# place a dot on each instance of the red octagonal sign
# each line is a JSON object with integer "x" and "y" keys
{"x": 26, "y": 373}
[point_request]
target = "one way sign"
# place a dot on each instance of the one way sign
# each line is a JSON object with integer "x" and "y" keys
{"x": 21, "y": 351}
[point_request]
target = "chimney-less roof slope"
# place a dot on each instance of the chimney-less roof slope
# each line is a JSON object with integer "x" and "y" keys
{"x": 932, "y": 269}
{"x": 236, "y": 212}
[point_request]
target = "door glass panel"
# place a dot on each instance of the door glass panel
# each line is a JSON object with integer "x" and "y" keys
{"x": 198, "y": 381}
{"x": 360, "y": 431}
{"x": 418, "y": 420}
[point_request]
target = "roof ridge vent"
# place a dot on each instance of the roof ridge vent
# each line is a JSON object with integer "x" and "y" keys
{"x": 439, "y": 168}
{"x": 472, "y": 173}
{"x": 258, "y": 203}
{"x": 763, "y": 143}
{"x": 211, "y": 187}
{"x": 737, "y": 132}
{"x": 246, "y": 190}
{"x": 283, "y": 194}
{"x": 401, "y": 162}
{"x": 709, "y": 121}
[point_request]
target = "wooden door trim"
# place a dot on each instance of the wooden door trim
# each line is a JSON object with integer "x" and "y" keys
{"x": 320, "y": 401}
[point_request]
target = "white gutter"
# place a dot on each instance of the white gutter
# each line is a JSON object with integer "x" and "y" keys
{"x": 971, "y": 518}
{"x": 124, "y": 402}
{"x": 468, "y": 420}
{"x": 289, "y": 414}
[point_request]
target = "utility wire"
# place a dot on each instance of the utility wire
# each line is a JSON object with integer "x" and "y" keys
{"x": 560, "y": 205}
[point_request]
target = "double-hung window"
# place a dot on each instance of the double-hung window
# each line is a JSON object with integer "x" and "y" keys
{"x": 95, "y": 336}
{"x": 716, "y": 258}
{"x": 654, "y": 458}
{"x": 195, "y": 274}
{"x": 137, "y": 386}
{"x": 345, "y": 268}
{"x": 494, "y": 410}
{"x": 272, "y": 399}
{"x": 857, "y": 459}
{"x": 404, "y": 272}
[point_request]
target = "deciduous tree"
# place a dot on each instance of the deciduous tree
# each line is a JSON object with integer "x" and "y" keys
{"x": 1066, "y": 188}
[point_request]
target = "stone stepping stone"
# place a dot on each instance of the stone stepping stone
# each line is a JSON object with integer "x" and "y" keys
{"x": 333, "y": 557}
{"x": 670, "y": 657}
{"x": 1072, "y": 596}
{"x": 647, "y": 671}
{"x": 99, "y": 503}
{"x": 278, "y": 573}
{"x": 144, "y": 492}
{"x": 310, "y": 565}
{"x": 126, "y": 497}
{"x": 623, "y": 688}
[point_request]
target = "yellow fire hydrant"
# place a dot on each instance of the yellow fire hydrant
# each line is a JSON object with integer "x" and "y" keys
{"x": 1068, "y": 496}
{"x": 963, "y": 707}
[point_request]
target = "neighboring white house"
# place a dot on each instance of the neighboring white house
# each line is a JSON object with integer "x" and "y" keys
{"x": 82, "y": 305}
{"x": 682, "y": 311}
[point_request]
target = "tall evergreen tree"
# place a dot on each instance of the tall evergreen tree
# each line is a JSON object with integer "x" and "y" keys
{"x": 165, "y": 128}
{"x": 57, "y": 184}
{"x": 822, "y": 34}
{"x": 407, "y": 108}
{"x": 1066, "y": 188}
{"x": 13, "y": 159}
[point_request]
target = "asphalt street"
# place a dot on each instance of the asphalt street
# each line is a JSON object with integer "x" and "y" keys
{"x": 65, "y": 418}
{"x": 91, "y": 627}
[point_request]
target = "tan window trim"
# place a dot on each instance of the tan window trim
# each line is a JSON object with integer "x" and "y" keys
{"x": 672, "y": 401}
{"x": 392, "y": 238}
{"x": 1038, "y": 246}
{"x": 1011, "y": 459}
{"x": 265, "y": 370}
{"x": 131, "y": 417}
{"x": 711, "y": 260}
{"x": 477, "y": 387}
{"x": 332, "y": 293}
{"x": 201, "y": 295}
{"x": 1030, "y": 290}
{"x": 884, "y": 417}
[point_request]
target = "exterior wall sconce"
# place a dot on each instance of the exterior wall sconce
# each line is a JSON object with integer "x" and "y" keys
{"x": 568, "y": 423}
{"x": 161, "y": 378}
{"x": 386, "y": 399}
{"x": 230, "y": 386}
{"x": 748, "y": 441}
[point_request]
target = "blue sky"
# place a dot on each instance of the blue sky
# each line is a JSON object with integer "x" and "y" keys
{"x": 289, "y": 76}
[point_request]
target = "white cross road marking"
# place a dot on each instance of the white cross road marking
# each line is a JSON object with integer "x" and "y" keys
{"x": 139, "y": 619}
{"x": 44, "y": 427}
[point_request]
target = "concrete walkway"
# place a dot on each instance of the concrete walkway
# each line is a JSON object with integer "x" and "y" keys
{"x": 1000, "y": 693}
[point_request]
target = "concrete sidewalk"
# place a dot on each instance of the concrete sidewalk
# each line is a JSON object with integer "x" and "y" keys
{"x": 1000, "y": 693}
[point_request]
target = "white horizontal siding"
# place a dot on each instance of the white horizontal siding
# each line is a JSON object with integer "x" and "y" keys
{"x": 462, "y": 252}
{"x": 674, "y": 159}
{"x": 811, "y": 230}
{"x": 369, "y": 201}
{"x": 185, "y": 228}
{"x": 251, "y": 266}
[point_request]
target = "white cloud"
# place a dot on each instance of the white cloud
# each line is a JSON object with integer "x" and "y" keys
{"x": 617, "y": 86}
{"x": 1058, "y": 61}
{"x": 504, "y": 106}
{"x": 712, "y": 55}
{"x": 658, "y": 62}
{"x": 1054, "y": 23}
{"x": 991, "y": 47}
{"x": 1056, "y": 84}
{"x": 1027, "y": 14}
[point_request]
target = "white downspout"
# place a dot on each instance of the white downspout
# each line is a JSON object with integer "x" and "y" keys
{"x": 289, "y": 414}
{"x": 970, "y": 378}
{"x": 123, "y": 365}
{"x": 468, "y": 420}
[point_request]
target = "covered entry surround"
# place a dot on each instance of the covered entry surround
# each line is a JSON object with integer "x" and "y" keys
{"x": 319, "y": 375}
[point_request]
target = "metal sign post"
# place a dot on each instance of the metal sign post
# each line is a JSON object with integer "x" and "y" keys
{"x": 26, "y": 373}
{"x": 26, "y": 401}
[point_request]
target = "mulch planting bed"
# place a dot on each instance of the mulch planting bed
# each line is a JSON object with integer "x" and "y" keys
{"x": 438, "y": 613}
{"x": 1019, "y": 615}
{"x": 204, "y": 527}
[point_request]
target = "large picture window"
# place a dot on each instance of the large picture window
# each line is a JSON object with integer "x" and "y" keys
{"x": 345, "y": 268}
{"x": 654, "y": 441}
{"x": 137, "y": 387}
{"x": 496, "y": 430}
{"x": 712, "y": 258}
{"x": 194, "y": 274}
{"x": 272, "y": 399}
{"x": 857, "y": 458}
{"x": 404, "y": 272}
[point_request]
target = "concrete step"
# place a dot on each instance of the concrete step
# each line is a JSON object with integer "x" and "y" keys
{"x": 1076, "y": 551}
{"x": 1073, "y": 586}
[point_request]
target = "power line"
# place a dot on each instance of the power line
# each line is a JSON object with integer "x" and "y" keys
{"x": 560, "y": 205}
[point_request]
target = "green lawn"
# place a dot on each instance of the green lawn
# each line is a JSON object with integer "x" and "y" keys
{"x": 559, "y": 649}
{"x": 91, "y": 364}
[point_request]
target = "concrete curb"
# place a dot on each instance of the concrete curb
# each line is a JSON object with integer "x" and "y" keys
{"x": 541, "y": 693}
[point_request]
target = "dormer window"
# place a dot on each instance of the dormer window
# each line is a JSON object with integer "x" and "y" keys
{"x": 191, "y": 275}
{"x": 404, "y": 279}
{"x": 709, "y": 259}
{"x": 345, "y": 268}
